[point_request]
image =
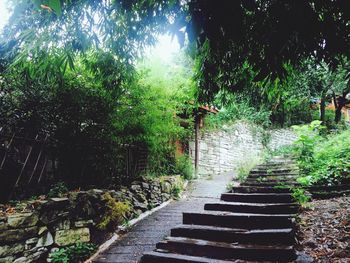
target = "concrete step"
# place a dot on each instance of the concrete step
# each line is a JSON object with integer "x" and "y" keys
{"x": 258, "y": 197}
{"x": 256, "y": 208}
{"x": 258, "y": 189}
{"x": 226, "y": 251}
{"x": 239, "y": 220}
{"x": 241, "y": 236}
{"x": 163, "y": 256}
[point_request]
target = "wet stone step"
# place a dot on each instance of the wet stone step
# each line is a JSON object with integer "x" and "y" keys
{"x": 257, "y": 208}
{"x": 241, "y": 236}
{"x": 239, "y": 220}
{"x": 258, "y": 197}
{"x": 163, "y": 256}
{"x": 226, "y": 251}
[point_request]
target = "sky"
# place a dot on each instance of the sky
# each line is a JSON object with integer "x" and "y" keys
{"x": 165, "y": 49}
{"x": 4, "y": 13}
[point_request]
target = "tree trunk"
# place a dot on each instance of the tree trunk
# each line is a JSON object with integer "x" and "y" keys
{"x": 338, "y": 113}
{"x": 342, "y": 101}
{"x": 322, "y": 110}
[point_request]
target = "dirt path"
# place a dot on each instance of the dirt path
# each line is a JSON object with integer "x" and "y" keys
{"x": 146, "y": 234}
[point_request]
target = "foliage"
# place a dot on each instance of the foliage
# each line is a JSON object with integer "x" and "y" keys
{"x": 58, "y": 190}
{"x": 263, "y": 34}
{"x": 322, "y": 159}
{"x": 166, "y": 88}
{"x": 300, "y": 196}
{"x": 73, "y": 254}
{"x": 267, "y": 34}
{"x": 177, "y": 187}
{"x": 331, "y": 164}
{"x": 230, "y": 186}
{"x": 184, "y": 167}
{"x": 308, "y": 135}
{"x": 96, "y": 112}
{"x": 237, "y": 108}
{"x": 114, "y": 214}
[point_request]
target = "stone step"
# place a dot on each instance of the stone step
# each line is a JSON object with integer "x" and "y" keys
{"x": 270, "y": 180}
{"x": 329, "y": 188}
{"x": 274, "y": 177}
{"x": 163, "y": 256}
{"x": 270, "y": 184}
{"x": 239, "y": 220}
{"x": 277, "y": 164}
{"x": 230, "y": 235}
{"x": 258, "y": 197}
{"x": 256, "y": 208}
{"x": 281, "y": 175}
{"x": 258, "y": 189}
{"x": 274, "y": 171}
{"x": 226, "y": 251}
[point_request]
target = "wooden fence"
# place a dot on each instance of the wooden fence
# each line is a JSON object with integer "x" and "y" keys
{"x": 28, "y": 164}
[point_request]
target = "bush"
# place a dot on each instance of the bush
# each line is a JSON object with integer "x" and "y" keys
{"x": 57, "y": 190}
{"x": 115, "y": 213}
{"x": 184, "y": 167}
{"x": 331, "y": 164}
{"x": 309, "y": 135}
{"x": 239, "y": 109}
{"x": 323, "y": 160}
{"x": 73, "y": 254}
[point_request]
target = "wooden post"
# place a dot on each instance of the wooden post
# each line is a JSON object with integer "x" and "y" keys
{"x": 196, "y": 143}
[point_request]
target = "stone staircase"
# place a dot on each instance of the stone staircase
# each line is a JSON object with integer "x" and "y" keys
{"x": 254, "y": 222}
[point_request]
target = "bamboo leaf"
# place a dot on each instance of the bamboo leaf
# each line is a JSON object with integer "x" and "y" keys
{"x": 56, "y": 6}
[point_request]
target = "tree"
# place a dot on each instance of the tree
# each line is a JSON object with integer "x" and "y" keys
{"x": 267, "y": 34}
{"x": 325, "y": 83}
{"x": 263, "y": 33}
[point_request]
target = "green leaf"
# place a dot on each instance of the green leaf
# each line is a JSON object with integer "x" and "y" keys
{"x": 70, "y": 61}
{"x": 56, "y": 6}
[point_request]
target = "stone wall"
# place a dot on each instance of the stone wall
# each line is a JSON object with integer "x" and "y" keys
{"x": 281, "y": 137}
{"x": 32, "y": 228}
{"x": 223, "y": 150}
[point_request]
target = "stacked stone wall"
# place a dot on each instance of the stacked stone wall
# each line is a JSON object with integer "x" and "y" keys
{"x": 223, "y": 150}
{"x": 29, "y": 230}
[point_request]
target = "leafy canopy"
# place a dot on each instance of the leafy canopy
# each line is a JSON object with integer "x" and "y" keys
{"x": 266, "y": 34}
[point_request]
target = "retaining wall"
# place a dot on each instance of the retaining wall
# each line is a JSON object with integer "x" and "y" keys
{"x": 31, "y": 229}
{"x": 223, "y": 150}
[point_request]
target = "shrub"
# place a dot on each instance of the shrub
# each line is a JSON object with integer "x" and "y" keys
{"x": 73, "y": 254}
{"x": 184, "y": 167}
{"x": 177, "y": 187}
{"x": 322, "y": 159}
{"x": 57, "y": 190}
{"x": 309, "y": 135}
{"x": 115, "y": 212}
{"x": 300, "y": 196}
{"x": 331, "y": 163}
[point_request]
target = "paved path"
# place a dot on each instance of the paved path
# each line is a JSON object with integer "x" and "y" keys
{"x": 146, "y": 234}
